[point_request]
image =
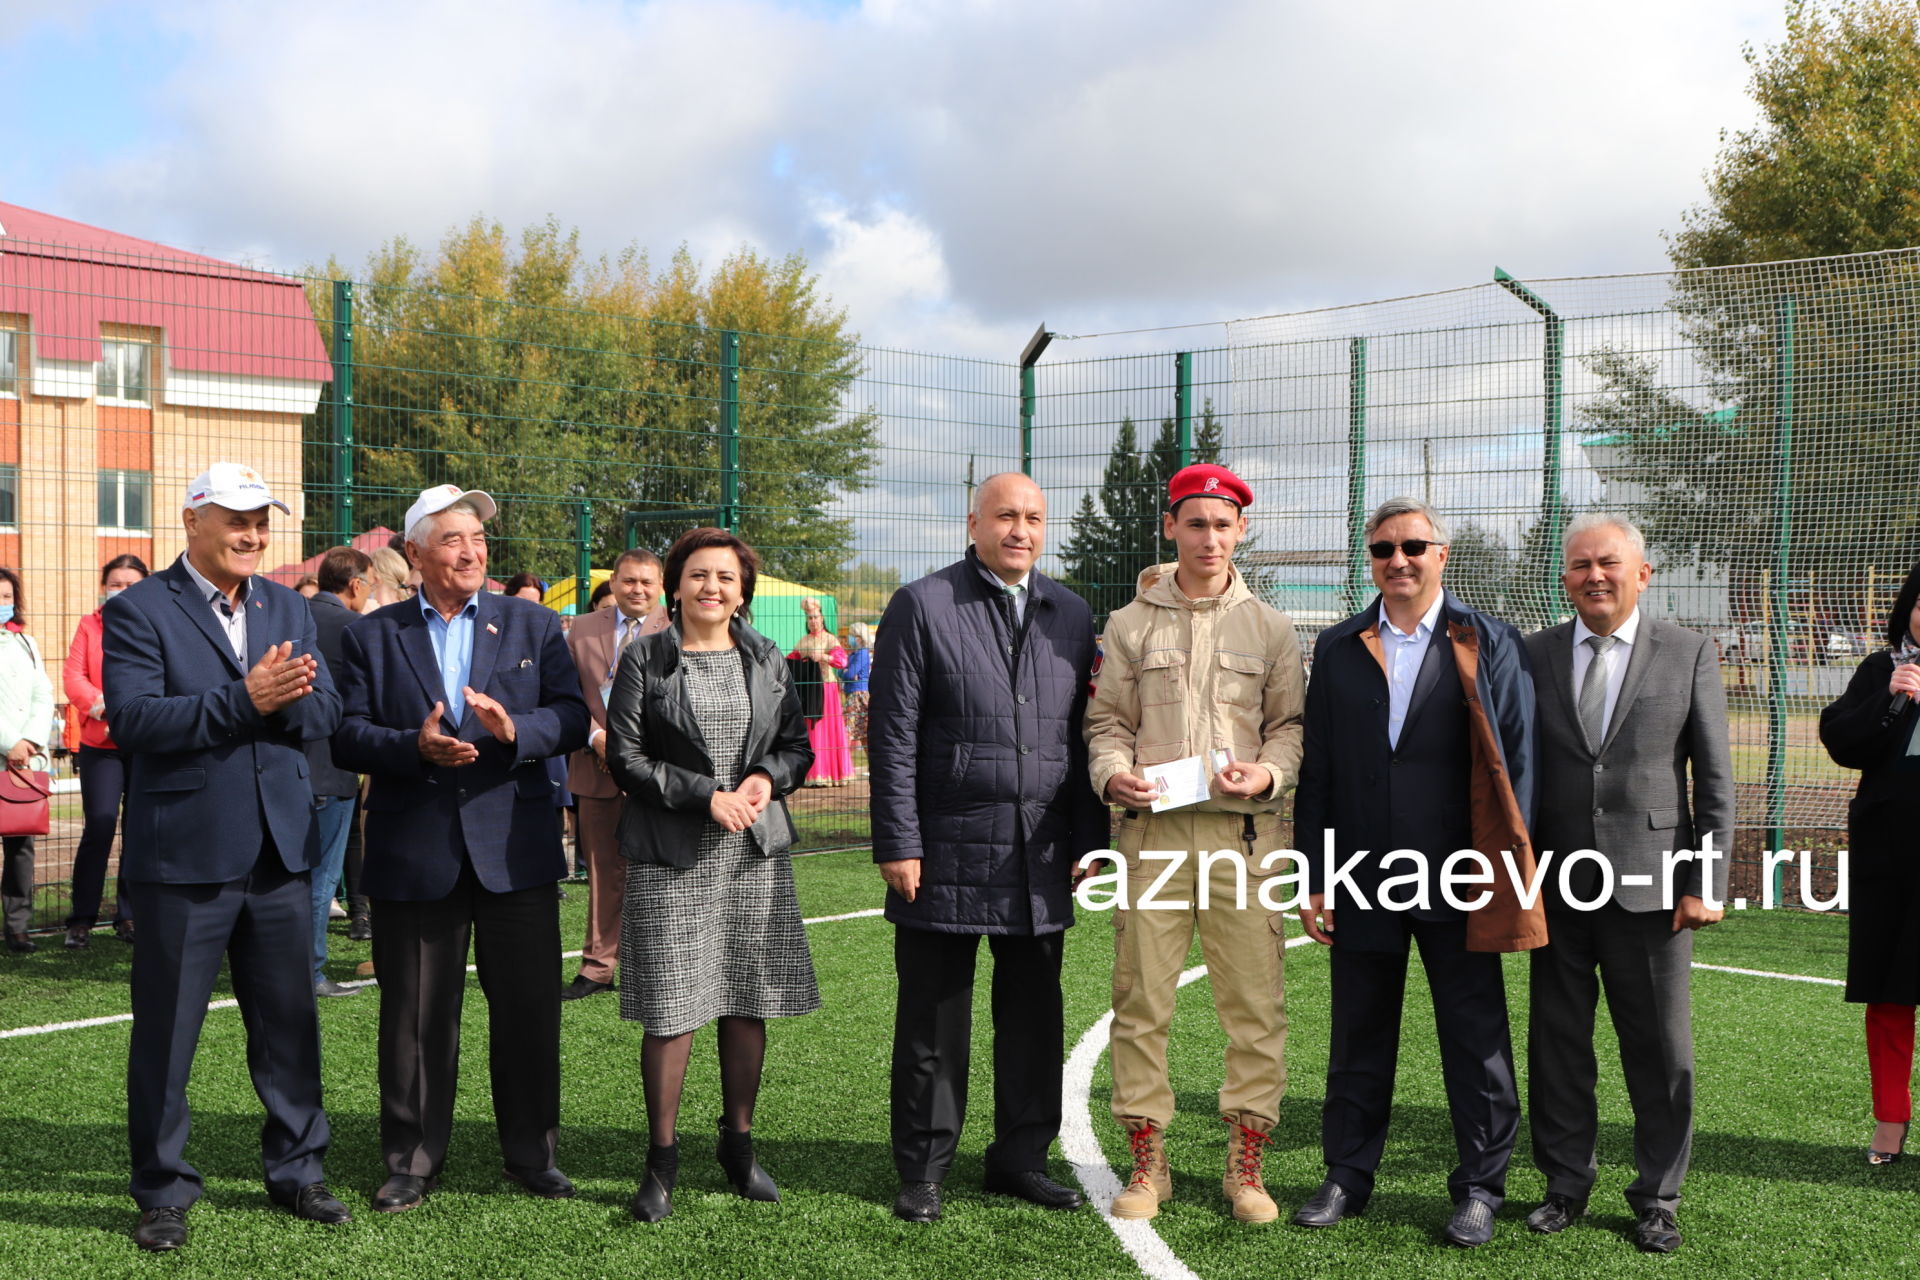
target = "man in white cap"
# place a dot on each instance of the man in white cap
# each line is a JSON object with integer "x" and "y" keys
{"x": 452, "y": 702}
{"x": 212, "y": 690}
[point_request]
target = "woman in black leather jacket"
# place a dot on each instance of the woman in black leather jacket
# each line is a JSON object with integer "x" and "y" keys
{"x": 705, "y": 735}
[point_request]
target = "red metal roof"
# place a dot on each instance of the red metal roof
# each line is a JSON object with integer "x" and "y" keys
{"x": 69, "y": 278}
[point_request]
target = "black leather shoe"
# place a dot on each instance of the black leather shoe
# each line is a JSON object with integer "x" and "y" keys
{"x": 162, "y": 1230}
{"x": 1556, "y": 1215}
{"x": 1035, "y": 1188}
{"x": 403, "y": 1191}
{"x": 1328, "y": 1205}
{"x": 548, "y": 1184}
{"x": 1656, "y": 1232}
{"x": 918, "y": 1202}
{"x": 123, "y": 930}
{"x": 743, "y": 1171}
{"x": 315, "y": 1203}
{"x": 359, "y": 925}
{"x": 327, "y": 988}
{"x": 582, "y": 986}
{"x": 22, "y": 943}
{"x": 653, "y": 1202}
{"x": 77, "y": 938}
{"x": 1471, "y": 1225}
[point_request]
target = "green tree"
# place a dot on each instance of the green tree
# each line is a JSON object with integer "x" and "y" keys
{"x": 1832, "y": 168}
{"x": 1113, "y": 544}
{"x": 550, "y": 380}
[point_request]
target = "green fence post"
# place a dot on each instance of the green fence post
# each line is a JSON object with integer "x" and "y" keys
{"x": 1553, "y": 503}
{"x": 343, "y": 410}
{"x": 1029, "y": 356}
{"x": 1183, "y": 404}
{"x": 729, "y": 430}
{"x": 583, "y": 555}
{"x": 1358, "y": 577}
{"x": 1777, "y": 622}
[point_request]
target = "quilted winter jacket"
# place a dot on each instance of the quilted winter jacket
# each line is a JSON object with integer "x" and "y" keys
{"x": 974, "y": 738}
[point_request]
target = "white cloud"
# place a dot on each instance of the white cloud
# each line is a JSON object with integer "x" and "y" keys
{"x": 959, "y": 170}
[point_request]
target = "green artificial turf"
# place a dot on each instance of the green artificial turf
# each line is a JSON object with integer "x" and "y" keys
{"x": 1779, "y": 1185}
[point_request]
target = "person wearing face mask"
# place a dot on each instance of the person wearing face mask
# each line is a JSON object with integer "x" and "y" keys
{"x": 103, "y": 771}
{"x": 705, "y": 736}
{"x": 26, "y": 719}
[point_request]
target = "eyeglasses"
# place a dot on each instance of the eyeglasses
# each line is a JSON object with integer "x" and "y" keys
{"x": 1414, "y": 547}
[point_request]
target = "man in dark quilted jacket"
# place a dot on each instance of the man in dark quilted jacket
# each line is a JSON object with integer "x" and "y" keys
{"x": 981, "y": 810}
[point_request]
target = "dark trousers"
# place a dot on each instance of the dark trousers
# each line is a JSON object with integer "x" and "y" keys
{"x": 350, "y": 865}
{"x": 420, "y": 953}
{"x": 1476, "y": 1060}
{"x": 103, "y": 788}
{"x": 16, "y": 884}
{"x": 261, "y": 925}
{"x": 932, "y": 1037}
{"x": 1647, "y": 970}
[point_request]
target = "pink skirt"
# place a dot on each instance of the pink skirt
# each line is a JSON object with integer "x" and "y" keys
{"x": 832, "y": 754}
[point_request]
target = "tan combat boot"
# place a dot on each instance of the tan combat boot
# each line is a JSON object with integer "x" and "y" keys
{"x": 1152, "y": 1182}
{"x": 1242, "y": 1186}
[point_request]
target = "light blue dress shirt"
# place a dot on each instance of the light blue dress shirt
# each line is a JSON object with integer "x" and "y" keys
{"x": 1404, "y": 653}
{"x": 453, "y": 650}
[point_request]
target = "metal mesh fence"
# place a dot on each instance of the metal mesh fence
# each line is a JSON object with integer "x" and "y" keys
{"x": 1753, "y": 420}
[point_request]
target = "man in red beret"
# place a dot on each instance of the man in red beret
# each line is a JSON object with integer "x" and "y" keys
{"x": 1197, "y": 666}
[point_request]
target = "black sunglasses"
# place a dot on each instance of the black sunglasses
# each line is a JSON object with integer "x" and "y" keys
{"x": 1414, "y": 547}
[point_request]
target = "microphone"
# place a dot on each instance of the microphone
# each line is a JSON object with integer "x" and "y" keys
{"x": 1898, "y": 705}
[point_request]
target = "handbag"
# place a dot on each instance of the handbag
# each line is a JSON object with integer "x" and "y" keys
{"x": 23, "y": 801}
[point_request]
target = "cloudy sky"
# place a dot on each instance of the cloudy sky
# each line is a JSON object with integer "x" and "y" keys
{"x": 958, "y": 170}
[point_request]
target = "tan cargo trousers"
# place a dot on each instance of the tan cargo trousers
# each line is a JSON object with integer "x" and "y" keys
{"x": 1244, "y": 951}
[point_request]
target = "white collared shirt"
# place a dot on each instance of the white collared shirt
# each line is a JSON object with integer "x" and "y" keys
{"x": 1616, "y": 661}
{"x": 1018, "y": 590}
{"x": 232, "y": 620}
{"x": 1404, "y": 652}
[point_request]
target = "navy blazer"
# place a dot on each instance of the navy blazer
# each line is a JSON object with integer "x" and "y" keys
{"x": 423, "y": 820}
{"x": 209, "y": 778}
{"x": 1376, "y": 797}
{"x": 331, "y": 618}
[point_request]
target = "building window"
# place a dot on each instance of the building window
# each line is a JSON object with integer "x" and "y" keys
{"x": 126, "y": 372}
{"x": 124, "y": 501}
{"x": 9, "y": 364}
{"x": 9, "y": 496}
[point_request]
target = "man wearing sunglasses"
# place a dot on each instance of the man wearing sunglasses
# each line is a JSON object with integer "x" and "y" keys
{"x": 1198, "y": 665}
{"x": 1419, "y": 736}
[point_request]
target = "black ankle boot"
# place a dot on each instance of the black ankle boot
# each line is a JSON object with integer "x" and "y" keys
{"x": 743, "y": 1171}
{"x": 654, "y": 1200}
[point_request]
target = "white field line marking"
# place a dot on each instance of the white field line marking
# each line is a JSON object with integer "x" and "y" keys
{"x": 1077, "y": 1143}
{"x": 1768, "y": 973}
{"x": 110, "y": 1019}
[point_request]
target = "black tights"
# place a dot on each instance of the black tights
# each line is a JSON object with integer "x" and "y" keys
{"x": 663, "y": 1070}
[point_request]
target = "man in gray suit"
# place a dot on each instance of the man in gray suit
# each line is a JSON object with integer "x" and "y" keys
{"x": 1628, "y": 707}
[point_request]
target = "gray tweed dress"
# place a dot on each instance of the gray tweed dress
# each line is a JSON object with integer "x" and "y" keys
{"x": 723, "y": 937}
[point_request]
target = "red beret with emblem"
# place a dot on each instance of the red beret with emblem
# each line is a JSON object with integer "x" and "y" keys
{"x": 1205, "y": 480}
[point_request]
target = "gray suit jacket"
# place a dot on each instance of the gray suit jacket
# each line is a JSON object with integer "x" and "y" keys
{"x": 1631, "y": 800}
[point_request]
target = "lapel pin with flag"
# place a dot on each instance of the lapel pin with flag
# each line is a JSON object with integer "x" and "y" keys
{"x": 492, "y": 630}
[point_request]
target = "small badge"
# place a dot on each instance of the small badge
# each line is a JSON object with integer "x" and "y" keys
{"x": 492, "y": 630}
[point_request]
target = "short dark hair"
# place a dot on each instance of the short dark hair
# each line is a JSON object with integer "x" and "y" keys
{"x": 132, "y": 562}
{"x": 398, "y": 542}
{"x": 19, "y": 595}
{"x": 521, "y": 581}
{"x": 1899, "y": 621}
{"x": 600, "y": 593}
{"x": 340, "y": 566}
{"x": 641, "y": 554}
{"x": 699, "y": 540}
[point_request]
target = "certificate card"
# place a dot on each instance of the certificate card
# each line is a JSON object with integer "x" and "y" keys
{"x": 1179, "y": 782}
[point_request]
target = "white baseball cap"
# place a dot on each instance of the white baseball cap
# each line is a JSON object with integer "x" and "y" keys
{"x": 233, "y": 486}
{"x": 442, "y": 496}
